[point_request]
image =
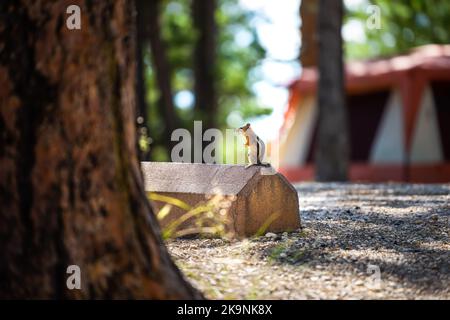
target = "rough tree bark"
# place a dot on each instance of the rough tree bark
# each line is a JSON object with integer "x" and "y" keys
{"x": 203, "y": 13}
{"x": 70, "y": 185}
{"x": 309, "y": 10}
{"x": 332, "y": 152}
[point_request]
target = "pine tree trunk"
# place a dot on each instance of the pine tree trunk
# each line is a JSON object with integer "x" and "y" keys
{"x": 309, "y": 10}
{"x": 141, "y": 88}
{"x": 71, "y": 191}
{"x": 204, "y": 60}
{"x": 333, "y": 143}
{"x": 162, "y": 71}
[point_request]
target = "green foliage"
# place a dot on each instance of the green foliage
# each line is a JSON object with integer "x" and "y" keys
{"x": 262, "y": 230}
{"x": 404, "y": 24}
{"x": 285, "y": 252}
{"x": 239, "y": 53}
{"x": 144, "y": 140}
{"x": 237, "y": 64}
{"x": 208, "y": 218}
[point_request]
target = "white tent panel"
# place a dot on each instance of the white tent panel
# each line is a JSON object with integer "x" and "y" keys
{"x": 296, "y": 147}
{"x": 426, "y": 144}
{"x": 388, "y": 145}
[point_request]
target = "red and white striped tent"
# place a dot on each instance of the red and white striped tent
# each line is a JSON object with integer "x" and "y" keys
{"x": 399, "y": 118}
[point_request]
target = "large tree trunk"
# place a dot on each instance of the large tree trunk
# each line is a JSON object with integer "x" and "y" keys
{"x": 309, "y": 10}
{"x": 204, "y": 60}
{"x": 333, "y": 142}
{"x": 71, "y": 190}
{"x": 162, "y": 70}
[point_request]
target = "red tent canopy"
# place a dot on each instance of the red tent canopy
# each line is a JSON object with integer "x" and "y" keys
{"x": 409, "y": 73}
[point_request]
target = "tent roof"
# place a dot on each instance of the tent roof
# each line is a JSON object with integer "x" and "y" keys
{"x": 408, "y": 73}
{"x": 376, "y": 74}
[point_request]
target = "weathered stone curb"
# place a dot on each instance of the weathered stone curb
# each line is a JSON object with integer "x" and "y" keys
{"x": 258, "y": 195}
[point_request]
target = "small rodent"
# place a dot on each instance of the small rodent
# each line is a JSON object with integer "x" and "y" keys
{"x": 256, "y": 147}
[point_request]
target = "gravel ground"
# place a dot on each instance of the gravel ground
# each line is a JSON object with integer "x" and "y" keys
{"x": 358, "y": 241}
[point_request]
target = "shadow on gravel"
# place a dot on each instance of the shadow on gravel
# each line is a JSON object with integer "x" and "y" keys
{"x": 355, "y": 230}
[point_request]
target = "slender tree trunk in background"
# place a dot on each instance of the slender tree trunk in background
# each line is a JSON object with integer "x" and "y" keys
{"x": 162, "y": 70}
{"x": 71, "y": 190}
{"x": 141, "y": 92}
{"x": 332, "y": 155}
{"x": 309, "y": 10}
{"x": 204, "y": 60}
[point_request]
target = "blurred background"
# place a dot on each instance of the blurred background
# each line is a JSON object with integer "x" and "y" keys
{"x": 228, "y": 62}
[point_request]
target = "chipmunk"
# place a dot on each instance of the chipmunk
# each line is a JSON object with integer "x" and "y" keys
{"x": 256, "y": 147}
